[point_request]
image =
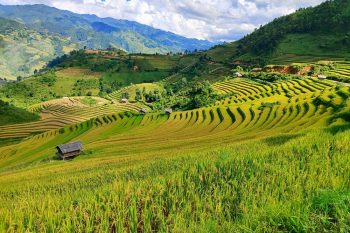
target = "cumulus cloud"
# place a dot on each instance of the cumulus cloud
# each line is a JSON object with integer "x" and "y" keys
{"x": 214, "y": 20}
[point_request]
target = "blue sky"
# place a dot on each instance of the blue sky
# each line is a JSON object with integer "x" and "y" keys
{"x": 215, "y": 20}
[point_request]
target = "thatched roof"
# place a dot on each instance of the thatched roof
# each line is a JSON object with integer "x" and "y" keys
{"x": 168, "y": 110}
{"x": 238, "y": 74}
{"x": 70, "y": 147}
{"x": 142, "y": 111}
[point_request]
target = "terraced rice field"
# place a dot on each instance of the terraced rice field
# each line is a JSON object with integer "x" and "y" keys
{"x": 245, "y": 91}
{"x": 200, "y": 128}
{"x": 57, "y": 114}
{"x": 342, "y": 70}
{"x": 208, "y": 169}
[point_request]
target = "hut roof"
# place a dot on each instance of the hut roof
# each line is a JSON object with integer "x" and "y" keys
{"x": 70, "y": 147}
{"x": 143, "y": 110}
{"x": 238, "y": 74}
{"x": 322, "y": 76}
{"x": 168, "y": 110}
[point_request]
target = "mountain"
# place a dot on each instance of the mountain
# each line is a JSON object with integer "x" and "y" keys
{"x": 23, "y": 50}
{"x": 95, "y": 32}
{"x": 311, "y": 34}
{"x": 39, "y": 33}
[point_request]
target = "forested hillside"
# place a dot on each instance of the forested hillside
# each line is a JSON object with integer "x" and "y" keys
{"x": 23, "y": 50}
{"x": 35, "y": 34}
{"x": 310, "y": 34}
{"x": 99, "y": 33}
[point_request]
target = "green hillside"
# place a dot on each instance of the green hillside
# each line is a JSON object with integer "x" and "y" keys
{"x": 22, "y": 50}
{"x": 311, "y": 34}
{"x": 32, "y": 35}
{"x": 13, "y": 115}
{"x": 85, "y": 73}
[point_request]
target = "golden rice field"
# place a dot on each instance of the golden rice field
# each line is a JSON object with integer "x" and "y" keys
{"x": 244, "y": 91}
{"x": 271, "y": 158}
{"x": 342, "y": 69}
{"x": 56, "y": 114}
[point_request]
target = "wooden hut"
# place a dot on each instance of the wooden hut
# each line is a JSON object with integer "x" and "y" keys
{"x": 238, "y": 75}
{"x": 322, "y": 77}
{"x": 70, "y": 150}
{"x": 143, "y": 111}
{"x": 123, "y": 101}
{"x": 168, "y": 111}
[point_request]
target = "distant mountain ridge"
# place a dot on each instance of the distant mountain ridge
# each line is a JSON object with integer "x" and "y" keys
{"x": 99, "y": 33}
{"x": 40, "y": 33}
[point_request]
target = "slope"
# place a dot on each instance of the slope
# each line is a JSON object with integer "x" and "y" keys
{"x": 311, "y": 34}
{"x": 12, "y": 115}
{"x": 95, "y": 32}
{"x": 90, "y": 72}
{"x": 23, "y": 50}
{"x": 243, "y": 165}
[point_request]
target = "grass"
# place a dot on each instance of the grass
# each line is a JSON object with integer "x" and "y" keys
{"x": 340, "y": 71}
{"x": 213, "y": 191}
{"x": 314, "y": 48}
{"x": 13, "y": 115}
{"x": 74, "y": 80}
{"x": 51, "y": 85}
{"x": 58, "y": 113}
{"x": 128, "y": 78}
{"x": 269, "y": 158}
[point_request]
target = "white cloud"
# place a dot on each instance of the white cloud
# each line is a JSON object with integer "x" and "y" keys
{"x": 203, "y": 19}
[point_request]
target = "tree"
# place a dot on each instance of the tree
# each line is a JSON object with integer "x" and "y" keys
{"x": 125, "y": 95}
{"x": 138, "y": 96}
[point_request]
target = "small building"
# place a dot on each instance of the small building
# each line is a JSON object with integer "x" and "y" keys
{"x": 123, "y": 101}
{"x": 238, "y": 75}
{"x": 143, "y": 111}
{"x": 70, "y": 150}
{"x": 322, "y": 77}
{"x": 113, "y": 102}
{"x": 168, "y": 111}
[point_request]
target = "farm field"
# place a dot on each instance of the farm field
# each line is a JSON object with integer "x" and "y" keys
{"x": 58, "y": 113}
{"x": 341, "y": 69}
{"x": 122, "y": 127}
{"x": 197, "y": 170}
{"x": 51, "y": 85}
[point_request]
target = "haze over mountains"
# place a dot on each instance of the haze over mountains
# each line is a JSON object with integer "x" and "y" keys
{"x": 62, "y": 31}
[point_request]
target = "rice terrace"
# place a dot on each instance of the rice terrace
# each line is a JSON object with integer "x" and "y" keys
{"x": 109, "y": 125}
